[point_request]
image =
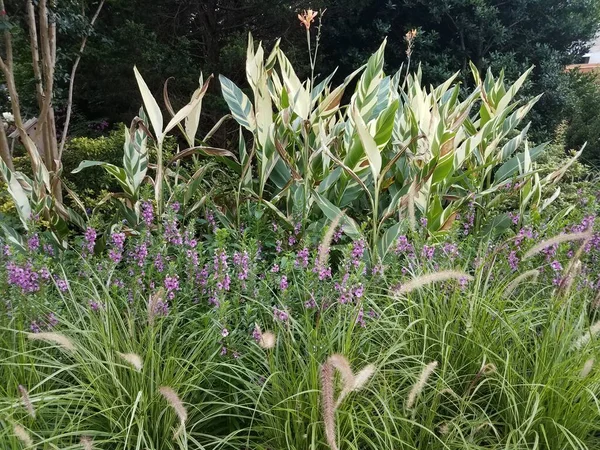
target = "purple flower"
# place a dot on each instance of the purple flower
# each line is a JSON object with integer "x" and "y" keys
{"x": 175, "y": 206}
{"x": 403, "y": 246}
{"x": 223, "y": 351}
{"x": 242, "y": 261}
{"x": 302, "y": 258}
{"x": 358, "y": 291}
{"x": 450, "y": 250}
{"x": 159, "y": 263}
{"x": 291, "y": 240}
{"x": 513, "y": 261}
{"x": 514, "y": 217}
{"x": 221, "y": 270}
{"x": 311, "y": 303}
{"x": 140, "y": 253}
{"x": 358, "y": 250}
{"x": 423, "y": 221}
{"x": 224, "y": 332}
{"x": 172, "y": 233}
{"x": 94, "y": 305}
{"x": 275, "y": 268}
{"x": 171, "y": 285}
{"x": 338, "y": 234}
{"x": 278, "y": 246}
{"x": 360, "y": 318}
{"x": 283, "y": 283}
{"x": 556, "y": 266}
{"x": 147, "y": 213}
{"x": 377, "y": 269}
{"x": 33, "y": 243}
{"x": 274, "y": 225}
{"x": 210, "y": 218}
{"x": 118, "y": 244}
{"x": 161, "y": 308}
{"x": 62, "y": 285}
{"x": 89, "y": 241}
{"x": 256, "y": 334}
{"x": 23, "y": 277}
{"x": 280, "y": 315}
{"x": 52, "y": 320}
{"x": 428, "y": 251}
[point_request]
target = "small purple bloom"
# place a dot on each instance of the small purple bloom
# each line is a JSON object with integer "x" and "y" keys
{"x": 33, "y": 243}
{"x": 280, "y": 315}
{"x": 283, "y": 283}
{"x": 147, "y": 213}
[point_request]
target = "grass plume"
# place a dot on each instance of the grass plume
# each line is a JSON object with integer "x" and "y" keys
{"x": 54, "y": 338}
{"x": 174, "y": 401}
{"x": 327, "y": 403}
{"x": 424, "y": 280}
{"x": 585, "y": 338}
{"x": 26, "y": 401}
{"x": 133, "y": 359}
{"x": 361, "y": 378}
{"x": 22, "y": 435}
{"x": 87, "y": 443}
{"x": 533, "y": 274}
{"x": 556, "y": 240}
{"x": 587, "y": 368}
{"x": 267, "y": 340}
{"x": 341, "y": 364}
{"x": 153, "y": 302}
{"x": 326, "y": 242}
{"x": 420, "y": 384}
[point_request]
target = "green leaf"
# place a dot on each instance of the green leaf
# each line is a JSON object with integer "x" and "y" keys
{"x": 203, "y": 150}
{"x": 16, "y": 191}
{"x": 332, "y": 212}
{"x": 368, "y": 143}
{"x": 389, "y": 237}
{"x": 152, "y": 108}
{"x": 117, "y": 172}
{"x": 511, "y": 167}
{"x": 239, "y": 104}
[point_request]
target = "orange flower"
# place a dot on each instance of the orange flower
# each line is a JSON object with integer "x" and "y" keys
{"x": 307, "y": 17}
{"x": 411, "y": 35}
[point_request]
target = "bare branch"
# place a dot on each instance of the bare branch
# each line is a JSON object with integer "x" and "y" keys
{"x": 72, "y": 80}
{"x": 35, "y": 52}
{"x": 4, "y": 149}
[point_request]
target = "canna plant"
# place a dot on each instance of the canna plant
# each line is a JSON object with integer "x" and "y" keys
{"x": 133, "y": 172}
{"x": 136, "y": 151}
{"x": 395, "y": 151}
{"x": 35, "y": 198}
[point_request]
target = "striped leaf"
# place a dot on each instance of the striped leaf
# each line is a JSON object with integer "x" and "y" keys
{"x": 239, "y": 104}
